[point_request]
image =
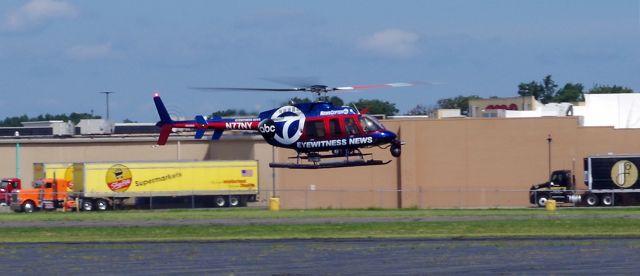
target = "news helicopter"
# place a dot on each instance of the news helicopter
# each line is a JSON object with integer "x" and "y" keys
{"x": 316, "y": 130}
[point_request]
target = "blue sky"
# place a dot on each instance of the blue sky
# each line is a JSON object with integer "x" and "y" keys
{"x": 56, "y": 55}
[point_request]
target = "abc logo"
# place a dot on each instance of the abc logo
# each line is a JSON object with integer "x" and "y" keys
{"x": 288, "y": 117}
{"x": 267, "y": 128}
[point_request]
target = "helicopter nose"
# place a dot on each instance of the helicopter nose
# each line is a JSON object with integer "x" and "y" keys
{"x": 387, "y": 136}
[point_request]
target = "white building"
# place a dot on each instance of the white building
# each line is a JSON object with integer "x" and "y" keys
{"x": 616, "y": 110}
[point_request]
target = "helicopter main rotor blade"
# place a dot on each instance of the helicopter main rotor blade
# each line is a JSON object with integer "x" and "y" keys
{"x": 249, "y": 89}
{"x": 313, "y": 88}
{"x": 375, "y": 86}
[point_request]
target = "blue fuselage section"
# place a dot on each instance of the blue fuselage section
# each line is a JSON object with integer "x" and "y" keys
{"x": 321, "y": 126}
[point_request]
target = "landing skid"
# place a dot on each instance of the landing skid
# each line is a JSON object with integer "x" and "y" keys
{"x": 326, "y": 165}
{"x": 353, "y": 159}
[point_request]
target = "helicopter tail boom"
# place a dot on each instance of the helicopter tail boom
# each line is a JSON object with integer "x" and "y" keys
{"x": 199, "y": 124}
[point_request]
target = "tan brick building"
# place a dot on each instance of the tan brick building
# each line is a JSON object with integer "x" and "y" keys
{"x": 450, "y": 163}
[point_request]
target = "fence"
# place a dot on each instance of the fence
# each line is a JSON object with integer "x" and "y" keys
{"x": 406, "y": 198}
{"x": 439, "y": 198}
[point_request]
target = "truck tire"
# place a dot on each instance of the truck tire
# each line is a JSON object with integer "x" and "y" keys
{"x": 28, "y": 206}
{"x": 220, "y": 201}
{"x": 607, "y": 200}
{"x": 591, "y": 200}
{"x": 87, "y": 205}
{"x": 234, "y": 201}
{"x": 102, "y": 204}
{"x": 542, "y": 200}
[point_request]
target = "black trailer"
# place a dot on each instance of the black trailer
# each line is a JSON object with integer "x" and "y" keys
{"x": 609, "y": 179}
{"x": 612, "y": 179}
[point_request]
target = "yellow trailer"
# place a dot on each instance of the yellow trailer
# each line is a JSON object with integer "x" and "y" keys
{"x": 112, "y": 184}
{"x": 53, "y": 170}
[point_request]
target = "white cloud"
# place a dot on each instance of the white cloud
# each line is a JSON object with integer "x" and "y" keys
{"x": 391, "y": 43}
{"x": 85, "y": 52}
{"x": 37, "y": 12}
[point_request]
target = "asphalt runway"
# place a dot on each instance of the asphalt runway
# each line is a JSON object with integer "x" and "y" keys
{"x": 351, "y": 256}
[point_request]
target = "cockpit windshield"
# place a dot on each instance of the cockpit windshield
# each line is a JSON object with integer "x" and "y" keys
{"x": 370, "y": 124}
{"x": 4, "y": 184}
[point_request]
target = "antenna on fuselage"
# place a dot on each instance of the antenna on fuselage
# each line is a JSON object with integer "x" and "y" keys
{"x": 356, "y": 108}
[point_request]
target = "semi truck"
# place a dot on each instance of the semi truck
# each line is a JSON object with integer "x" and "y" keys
{"x": 609, "y": 179}
{"x": 40, "y": 171}
{"x": 46, "y": 194}
{"x": 104, "y": 185}
{"x": 7, "y": 186}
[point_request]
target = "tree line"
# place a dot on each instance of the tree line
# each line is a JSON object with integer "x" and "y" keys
{"x": 73, "y": 117}
{"x": 545, "y": 91}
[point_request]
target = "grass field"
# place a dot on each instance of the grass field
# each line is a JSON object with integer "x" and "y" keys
{"x": 579, "y": 222}
{"x": 250, "y": 213}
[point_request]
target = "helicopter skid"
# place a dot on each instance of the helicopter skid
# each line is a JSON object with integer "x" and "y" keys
{"x": 333, "y": 164}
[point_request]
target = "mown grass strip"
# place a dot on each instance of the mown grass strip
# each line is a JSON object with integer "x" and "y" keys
{"x": 450, "y": 229}
{"x": 231, "y": 213}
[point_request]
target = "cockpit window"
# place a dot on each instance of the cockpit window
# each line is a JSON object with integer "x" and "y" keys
{"x": 4, "y": 184}
{"x": 370, "y": 124}
{"x": 350, "y": 126}
{"x": 314, "y": 129}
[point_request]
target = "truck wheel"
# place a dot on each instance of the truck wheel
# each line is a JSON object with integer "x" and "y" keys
{"x": 592, "y": 200}
{"x": 28, "y": 206}
{"x": 234, "y": 201}
{"x": 87, "y": 205}
{"x": 542, "y": 200}
{"x": 607, "y": 200}
{"x": 220, "y": 201}
{"x": 102, "y": 204}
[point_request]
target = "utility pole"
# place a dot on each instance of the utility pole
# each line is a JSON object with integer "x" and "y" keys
{"x": 17, "y": 136}
{"x": 549, "y": 143}
{"x": 107, "y": 93}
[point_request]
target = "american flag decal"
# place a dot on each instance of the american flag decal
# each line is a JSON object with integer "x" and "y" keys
{"x": 247, "y": 173}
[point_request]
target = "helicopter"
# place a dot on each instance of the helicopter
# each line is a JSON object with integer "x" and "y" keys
{"x": 317, "y": 131}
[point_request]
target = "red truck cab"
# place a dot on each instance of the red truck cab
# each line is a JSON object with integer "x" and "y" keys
{"x": 7, "y": 186}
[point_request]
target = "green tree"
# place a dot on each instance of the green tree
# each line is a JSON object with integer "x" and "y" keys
{"x": 543, "y": 92}
{"x": 336, "y": 101}
{"x": 376, "y": 106}
{"x": 532, "y": 88}
{"x": 458, "y": 102}
{"x": 296, "y": 100}
{"x": 549, "y": 88}
{"x": 231, "y": 113}
{"x": 419, "y": 110}
{"x": 571, "y": 92}
{"x": 606, "y": 89}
